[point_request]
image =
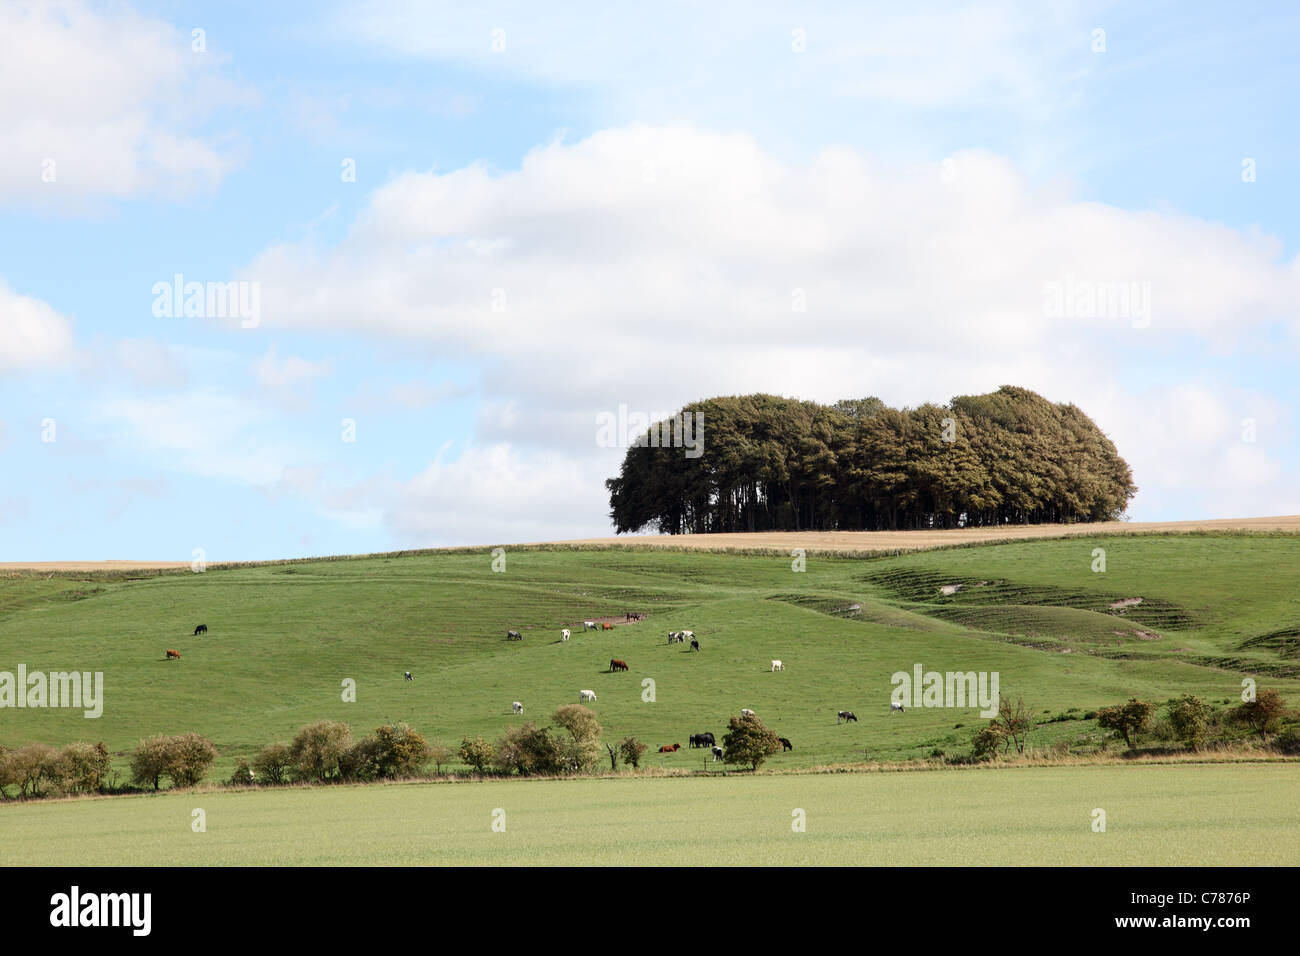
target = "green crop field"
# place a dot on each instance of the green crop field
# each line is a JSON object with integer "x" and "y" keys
{"x": 1241, "y": 815}
{"x": 284, "y": 638}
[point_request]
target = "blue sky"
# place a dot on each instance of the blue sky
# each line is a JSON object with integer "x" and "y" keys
{"x": 557, "y": 214}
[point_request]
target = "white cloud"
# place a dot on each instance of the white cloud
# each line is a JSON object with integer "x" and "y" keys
{"x": 33, "y": 334}
{"x": 112, "y": 97}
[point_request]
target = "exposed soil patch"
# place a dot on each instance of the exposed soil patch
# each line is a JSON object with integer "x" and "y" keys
{"x": 1125, "y": 603}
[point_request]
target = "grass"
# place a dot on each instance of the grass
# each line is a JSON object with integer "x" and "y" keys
{"x": 1155, "y": 815}
{"x": 284, "y": 637}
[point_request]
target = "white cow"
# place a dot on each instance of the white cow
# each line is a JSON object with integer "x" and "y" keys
{"x": 518, "y": 707}
{"x": 746, "y": 713}
{"x": 590, "y": 626}
{"x": 717, "y": 753}
{"x": 586, "y": 695}
{"x": 688, "y": 635}
{"x": 777, "y": 666}
{"x": 564, "y": 634}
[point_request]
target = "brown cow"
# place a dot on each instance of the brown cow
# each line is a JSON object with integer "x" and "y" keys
{"x": 175, "y": 654}
{"x": 606, "y": 626}
{"x": 670, "y": 748}
{"x": 617, "y": 665}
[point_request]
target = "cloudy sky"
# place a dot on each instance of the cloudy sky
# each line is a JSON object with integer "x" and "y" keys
{"x": 452, "y": 235}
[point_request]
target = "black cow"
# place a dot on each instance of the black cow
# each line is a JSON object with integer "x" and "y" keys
{"x": 695, "y": 645}
{"x": 201, "y": 629}
{"x": 846, "y": 716}
{"x": 408, "y": 676}
{"x": 717, "y": 753}
{"x": 514, "y": 636}
{"x": 785, "y": 744}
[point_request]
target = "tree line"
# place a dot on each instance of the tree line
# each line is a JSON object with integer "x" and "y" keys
{"x": 780, "y": 464}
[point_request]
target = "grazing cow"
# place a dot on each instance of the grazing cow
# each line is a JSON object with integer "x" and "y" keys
{"x": 777, "y": 666}
{"x": 589, "y": 626}
{"x": 617, "y": 665}
{"x": 746, "y": 712}
{"x": 785, "y": 744}
{"x": 893, "y": 706}
{"x": 689, "y": 635}
{"x": 201, "y": 629}
{"x": 694, "y": 741}
{"x": 606, "y": 626}
{"x": 514, "y": 636}
{"x": 175, "y": 654}
{"x": 586, "y": 695}
{"x": 564, "y": 634}
{"x": 517, "y": 707}
{"x": 408, "y": 676}
{"x": 717, "y": 753}
{"x": 675, "y": 637}
{"x": 695, "y": 645}
{"x": 706, "y": 739}
{"x": 846, "y": 716}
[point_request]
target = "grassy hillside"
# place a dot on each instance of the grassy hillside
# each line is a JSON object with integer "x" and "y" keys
{"x": 283, "y": 638}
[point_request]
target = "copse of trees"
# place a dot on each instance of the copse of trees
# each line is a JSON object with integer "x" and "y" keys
{"x": 778, "y": 464}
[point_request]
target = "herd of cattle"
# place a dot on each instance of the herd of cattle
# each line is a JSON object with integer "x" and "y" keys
{"x": 705, "y": 739}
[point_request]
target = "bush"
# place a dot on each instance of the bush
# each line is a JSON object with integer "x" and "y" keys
{"x": 1288, "y": 742}
{"x": 362, "y": 760}
{"x": 81, "y": 767}
{"x": 27, "y": 768}
{"x": 440, "y": 754}
{"x": 273, "y": 764}
{"x": 243, "y": 775}
{"x": 149, "y": 761}
{"x": 582, "y": 752}
{"x": 631, "y": 749}
{"x": 184, "y": 759}
{"x": 478, "y": 753}
{"x": 986, "y": 741}
{"x": 529, "y": 750}
{"x": 402, "y": 751}
{"x": 1189, "y": 717}
{"x": 1261, "y": 715}
{"x": 318, "y": 749}
{"x": 749, "y": 740}
{"x": 1127, "y": 720}
{"x": 189, "y": 758}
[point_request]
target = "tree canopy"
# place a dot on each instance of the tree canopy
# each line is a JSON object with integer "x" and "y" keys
{"x": 779, "y": 464}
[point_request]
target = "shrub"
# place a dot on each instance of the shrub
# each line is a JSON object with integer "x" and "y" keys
{"x": 1288, "y": 742}
{"x": 149, "y": 761}
{"x": 582, "y": 752}
{"x": 402, "y": 751}
{"x": 273, "y": 764}
{"x": 1127, "y": 720}
{"x": 478, "y": 753}
{"x": 28, "y": 768}
{"x": 631, "y": 750}
{"x": 529, "y": 750}
{"x": 986, "y": 741}
{"x": 184, "y": 759}
{"x": 189, "y": 757}
{"x": 362, "y": 759}
{"x": 243, "y": 775}
{"x": 318, "y": 748}
{"x": 1189, "y": 717}
{"x": 749, "y": 740}
{"x": 1261, "y": 715}
{"x": 81, "y": 767}
{"x": 440, "y": 754}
